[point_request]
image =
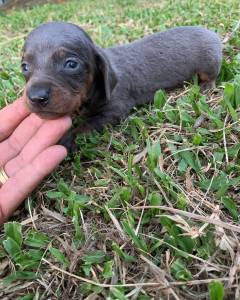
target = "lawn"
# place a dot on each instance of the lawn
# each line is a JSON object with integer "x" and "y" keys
{"x": 148, "y": 209}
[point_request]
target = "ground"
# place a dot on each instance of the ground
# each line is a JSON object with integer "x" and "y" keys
{"x": 148, "y": 209}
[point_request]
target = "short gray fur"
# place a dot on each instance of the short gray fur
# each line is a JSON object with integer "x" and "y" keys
{"x": 127, "y": 75}
{"x": 163, "y": 60}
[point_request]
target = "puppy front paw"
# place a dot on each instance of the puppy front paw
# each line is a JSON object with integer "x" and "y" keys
{"x": 68, "y": 141}
{"x": 205, "y": 86}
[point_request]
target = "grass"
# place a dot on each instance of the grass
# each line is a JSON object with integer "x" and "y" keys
{"x": 148, "y": 209}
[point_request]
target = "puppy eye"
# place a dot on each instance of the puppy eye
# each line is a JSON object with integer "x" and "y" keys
{"x": 25, "y": 67}
{"x": 71, "y": 64}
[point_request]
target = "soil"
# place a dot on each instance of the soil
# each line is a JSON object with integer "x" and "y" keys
{"x": 13, "y": 4}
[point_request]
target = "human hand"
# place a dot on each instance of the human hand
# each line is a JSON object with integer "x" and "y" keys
{"x": 28, "y": 152}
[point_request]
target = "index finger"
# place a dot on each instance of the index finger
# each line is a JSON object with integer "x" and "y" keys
{"x": 11, "y": 116}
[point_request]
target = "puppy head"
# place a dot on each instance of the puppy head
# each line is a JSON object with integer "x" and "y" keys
{"x": 60, "y": 63}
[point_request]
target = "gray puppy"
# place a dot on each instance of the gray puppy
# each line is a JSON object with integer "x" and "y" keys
{"x": 65, "y": 71}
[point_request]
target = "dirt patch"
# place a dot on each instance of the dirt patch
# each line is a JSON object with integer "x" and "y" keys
{"x": 14, "y": 4}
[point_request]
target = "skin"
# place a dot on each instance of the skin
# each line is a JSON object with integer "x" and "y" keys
{"x": 28, "y": 152}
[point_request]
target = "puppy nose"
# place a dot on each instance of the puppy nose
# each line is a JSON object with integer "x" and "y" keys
{"x": 39, "y": 96}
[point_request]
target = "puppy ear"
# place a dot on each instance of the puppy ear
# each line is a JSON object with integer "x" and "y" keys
{"x": 107, "y": 72}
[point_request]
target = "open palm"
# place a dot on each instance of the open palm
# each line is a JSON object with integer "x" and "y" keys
{"x": 28, "y": 152}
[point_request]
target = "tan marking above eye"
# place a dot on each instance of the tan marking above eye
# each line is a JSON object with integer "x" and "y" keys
{"x": 60, "y": 53}
{"x": 28, "y": 56}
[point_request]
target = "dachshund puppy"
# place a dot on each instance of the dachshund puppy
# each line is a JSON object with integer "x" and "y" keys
{"x": 66, "y": 71}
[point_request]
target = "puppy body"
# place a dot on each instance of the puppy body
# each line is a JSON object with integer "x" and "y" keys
{"x": 162, "y": 60}
{"x": 125, "y": 76}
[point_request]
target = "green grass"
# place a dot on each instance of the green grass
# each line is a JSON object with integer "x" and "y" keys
{"x": 148, "y": 209}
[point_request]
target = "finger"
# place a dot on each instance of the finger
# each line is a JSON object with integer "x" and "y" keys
{"x": 12, "y": 146}
{"x": 11, "y": 116}
{"x": 47, "y": 135}
{"x": 17, "y": 188}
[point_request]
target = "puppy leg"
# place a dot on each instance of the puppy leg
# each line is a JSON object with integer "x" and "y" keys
{"x": 205, "y": 86}
{"x": 68, "y": 141}
{"x": 93, "y": 123}
{"x": 206, "y": 83}
{"x": 112, "y": 113}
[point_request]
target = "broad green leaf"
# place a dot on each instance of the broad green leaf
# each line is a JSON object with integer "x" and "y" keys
{"x": 173, "y": 148}
{"x": 197, "y": 139}
{"x": 14, "y": 231}
{"x": 227, "y": 70}
{"x": 179, "y": 270}
{"x": 231, "y": 206}
{"x": 182, "y": 202}
{"x": 120, "y": 173}
{"x": 218, "y": 156}
{"x": 207, "y": 245}
{"x": 190, "y": 158}
{"x": 215, "y": 183}
{"x": 87, "y": 269}
{"x": 36, "y": 239}
{"x": 101, "y": 182}
{"x": 118, "y": 294}
{"x": 79, "y": 235}
{"x": 140, "y": 124}
{"x": 12, "y": 248}
{"x": 59, "y": 256}
{"x": 55, "y": 195}
{"x": 19, "y": 276}
{"x": 144, "y": 297}
{"x": 182, "y": 242}
{"x": 216, "y": 290}
{"x": 122, "y": 254}
{"x": 154, "y": 151}
{"x": 194, "y": 94}
{"x": 186, "y": 118}
{"x": 171, "y": 114}
{"x": 234, "y": 151}
{"x": 220, "y": 183}
{"x": 155, "y": 199}
{"x": 85, "y": 288}
{"x": 182, "y": 166}
{"x": 29, "y": 260}
{"x": 228, "y": 99}
{"x": 94, "y": 257}
{"x": 212, "y": 116}
{"x": 64, "y": 188}
{"x": 4, "y": 75}
{"x": 138, "y": 241}
{"x": 80, "y": 199}
{"x": 237, "y": 94}
{"x": 160, "y": 99}
{"x": 165, "y": 178}
{"x": 107, "y": 269}
{"x": 125, "y": 194}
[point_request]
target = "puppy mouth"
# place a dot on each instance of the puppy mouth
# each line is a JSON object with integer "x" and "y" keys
{"x": 45, "y": 114}
{"x": 49, "y": 115}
